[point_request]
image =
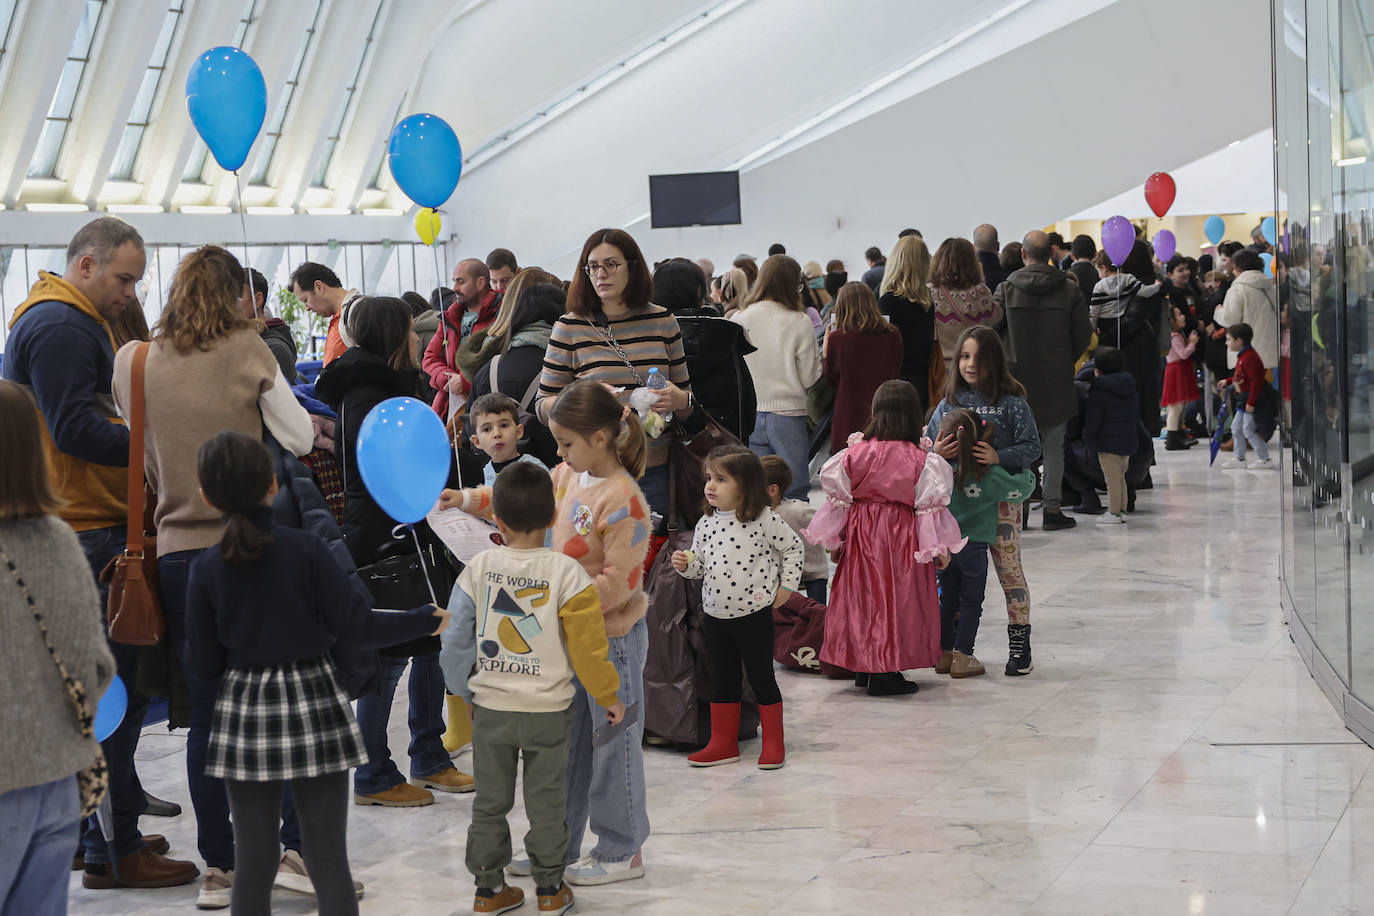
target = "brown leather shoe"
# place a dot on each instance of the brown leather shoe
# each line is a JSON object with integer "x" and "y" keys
{"x": 144, "y": 868}
{"x": 557, "y": 903}
{"x": 509, "y": 898}
{"x": 154, "y": 841}
{"x": 946, "y": 659}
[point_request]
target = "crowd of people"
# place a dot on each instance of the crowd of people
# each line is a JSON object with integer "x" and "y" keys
{"x": 952, "y": 392}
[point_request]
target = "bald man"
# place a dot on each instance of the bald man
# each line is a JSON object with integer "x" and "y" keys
{"x": 987, "y": 246}
{"x": 1047, "y": 330}
{"x": 473, "y": 310}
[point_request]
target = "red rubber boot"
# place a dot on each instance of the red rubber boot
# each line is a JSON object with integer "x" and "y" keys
{"x": 774, "y": 754}
{"x": 724, "y": 744}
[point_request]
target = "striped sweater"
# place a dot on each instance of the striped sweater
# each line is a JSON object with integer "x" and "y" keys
{"x": 579, "y": 350}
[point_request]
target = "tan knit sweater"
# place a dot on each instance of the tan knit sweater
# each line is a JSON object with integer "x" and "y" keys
{"x": 192, "y": 397}
{"x": 42, "y": 741}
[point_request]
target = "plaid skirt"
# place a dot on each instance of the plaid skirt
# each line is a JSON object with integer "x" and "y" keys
{"x": 282, "y": 722}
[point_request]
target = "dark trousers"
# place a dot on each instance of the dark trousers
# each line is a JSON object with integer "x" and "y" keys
{"x": 323, "y": 805}
{"x": 427, "y": 754}
{"x": 962, "y": 584}
{"x": 126, "y": 793}
{"x": 815, "y": 589}
{"x": 742, "y": 643}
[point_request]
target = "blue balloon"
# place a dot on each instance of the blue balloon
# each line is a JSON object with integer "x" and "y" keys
{"x": 226, "y": 97}
{"x": 425, "y": 159}
{"x": 1268, "y": 260}
{"x": 1214, "y": 229}
{"x": 403, "y": 455}
{"x": 110, "y": 712}
{"x": 1269, "y": 230}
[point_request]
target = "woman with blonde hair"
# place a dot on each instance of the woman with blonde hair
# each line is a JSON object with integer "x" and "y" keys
{"x": 904, "y": 298}
{"x": 961, "y": 298}
{"x": 862, "y": 350}
{"x": 207, "y": 370}
{"x": 785, "y": 364}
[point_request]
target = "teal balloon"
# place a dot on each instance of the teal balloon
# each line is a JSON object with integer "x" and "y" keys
{"x": 226, "y": 98}
{"x": 113, "y": 704}
{"x": 425, "y": 158}
{"x": 1214, "y": 229}
{"x": 403, "y": 455}
{"x": 1269, "y": 230}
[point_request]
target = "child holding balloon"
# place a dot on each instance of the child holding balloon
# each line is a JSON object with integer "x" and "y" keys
{"x": 602, "y": 521}
{"x": 263, "y": 608}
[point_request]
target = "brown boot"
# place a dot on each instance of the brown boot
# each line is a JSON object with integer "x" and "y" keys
{"x": 946, "y": 659}
{"x": 154, "y": 841}
{"x": 144, "y": 868}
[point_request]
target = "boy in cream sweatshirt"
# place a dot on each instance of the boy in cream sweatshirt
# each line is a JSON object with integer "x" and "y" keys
{"x": 525, "y": 620}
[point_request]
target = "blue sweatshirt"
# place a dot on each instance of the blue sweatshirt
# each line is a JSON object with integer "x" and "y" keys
{"x": 290, "y": 605}
{"x": 1013, "y": 427}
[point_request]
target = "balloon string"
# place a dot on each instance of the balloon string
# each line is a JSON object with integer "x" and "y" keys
{"x": 247, "y": 264}
{"x": 423, "y": 567}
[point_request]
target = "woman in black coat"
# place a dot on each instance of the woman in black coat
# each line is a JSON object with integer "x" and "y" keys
{"x": 380, "y": 365}
{"x": 520, "y": 362}
{"x": 715, "y": 347}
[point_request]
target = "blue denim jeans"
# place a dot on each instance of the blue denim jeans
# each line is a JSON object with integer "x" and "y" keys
{"x": 786, "y": 437}
{"x": 214, "y": 834}
{"x": 1243, "y": 431}
{"x": 815, "y": 589}
{"x": 126, "y": 793}
{"x": 654, "y": 486}
{"x": 38, "y": 828}
{"x": 962, "y": 584}
{"x": 427, "y": 754}
{"x": 607, "y": 782}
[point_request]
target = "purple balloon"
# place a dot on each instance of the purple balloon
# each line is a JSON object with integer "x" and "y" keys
{"x": 1165, "y": 245}
{"x": 1118, "y": 238}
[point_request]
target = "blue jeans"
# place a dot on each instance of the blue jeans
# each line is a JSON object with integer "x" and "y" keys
{"x": 962, "y": 584}
{"x": 38, "y": 828}
{"x": 214, "y": 835}
{"x": 1243, "y": 430}
{"x": 126, "y": 793}
{"x": 786, "y": 437}
{"x": 607, "y": 782}
{"x": 654, "y": 486}
{"x": 815, "y": 589}
{"x": 427, "y": 754}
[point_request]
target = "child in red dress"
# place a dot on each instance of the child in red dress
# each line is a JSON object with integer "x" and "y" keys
{"x": 1180, "y": 380}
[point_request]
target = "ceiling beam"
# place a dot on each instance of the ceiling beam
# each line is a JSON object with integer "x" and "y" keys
{"x": 125, "y": 44}
{"x": 33, "y": 72}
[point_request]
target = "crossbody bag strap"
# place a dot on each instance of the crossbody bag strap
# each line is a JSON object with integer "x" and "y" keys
{"x": 606, "y": 334}
{"x": 75, "y": 689}
{"x": 139, "y": 507}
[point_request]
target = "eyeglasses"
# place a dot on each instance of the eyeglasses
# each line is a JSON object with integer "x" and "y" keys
{"x": 608, "y": 268}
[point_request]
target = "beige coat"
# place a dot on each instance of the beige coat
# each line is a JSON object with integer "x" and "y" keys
{"x": 1253, "y": 300}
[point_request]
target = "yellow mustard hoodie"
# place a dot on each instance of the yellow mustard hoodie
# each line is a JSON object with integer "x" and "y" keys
{"x": 95, "y": 495}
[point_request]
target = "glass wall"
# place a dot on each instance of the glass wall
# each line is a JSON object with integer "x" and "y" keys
{"x": 1324, "y": 115}
{"x": 383, "y": 268}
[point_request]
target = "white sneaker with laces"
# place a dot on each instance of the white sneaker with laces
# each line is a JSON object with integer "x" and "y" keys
{"x": 591, "y": 871}
{"x": 1264, "y": 464}
{"x": 1234, "y": 464}
{"x": 216, "y": 889}
{"x": 520, "y": 864}
{"x": 292, "y": 876}
{"x": 1108, "y": 518}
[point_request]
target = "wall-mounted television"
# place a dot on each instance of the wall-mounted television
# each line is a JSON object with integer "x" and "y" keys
{"x": 694, "y": 199}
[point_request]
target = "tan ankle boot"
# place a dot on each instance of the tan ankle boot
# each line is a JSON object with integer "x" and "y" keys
{"x": 965, "y": 665}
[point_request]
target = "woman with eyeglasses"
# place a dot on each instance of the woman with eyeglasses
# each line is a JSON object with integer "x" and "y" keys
{"x": 615, "y": 335}
{"x": 786, "y": 363}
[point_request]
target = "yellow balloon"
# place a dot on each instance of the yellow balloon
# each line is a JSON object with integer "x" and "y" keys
{"x": 427, "y": 225}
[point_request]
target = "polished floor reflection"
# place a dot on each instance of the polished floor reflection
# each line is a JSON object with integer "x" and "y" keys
{"x": 1169, "y": 755}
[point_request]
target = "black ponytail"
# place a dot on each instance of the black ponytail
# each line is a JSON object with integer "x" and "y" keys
{"x": 235, "y": 474}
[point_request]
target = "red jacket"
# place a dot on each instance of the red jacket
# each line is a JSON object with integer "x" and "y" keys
{"x": 441, "y": 364}
{"x": 1249, "y": 375}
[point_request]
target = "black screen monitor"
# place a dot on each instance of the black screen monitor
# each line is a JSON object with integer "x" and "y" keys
{"x": 694, "y": 199}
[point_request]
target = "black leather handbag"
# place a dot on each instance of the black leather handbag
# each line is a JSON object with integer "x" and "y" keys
{"x": 401, "y": 579}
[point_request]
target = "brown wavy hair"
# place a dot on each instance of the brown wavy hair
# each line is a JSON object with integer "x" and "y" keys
{"x": 995, "y": 380}
{"x": 956, "y": 265}
{"x": 856, "y": 310}
{"x": 968, "y": 429}
{"x": 203, "y": 303}
{"x": 582, "y": 298}
{"x": 779, "y": 281}
{"x": 25, "y": 488}
{"x": 744, "y": 468}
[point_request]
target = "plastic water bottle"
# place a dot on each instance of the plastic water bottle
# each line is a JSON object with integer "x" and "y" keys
{"x": 642, "y": 399}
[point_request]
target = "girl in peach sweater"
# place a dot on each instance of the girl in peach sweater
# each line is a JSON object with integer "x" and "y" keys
{"x": 602, "y": 521}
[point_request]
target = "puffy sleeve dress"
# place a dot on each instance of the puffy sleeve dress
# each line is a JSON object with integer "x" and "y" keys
{"x": 887, "y": 516}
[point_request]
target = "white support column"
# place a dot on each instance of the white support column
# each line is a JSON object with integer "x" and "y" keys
{"x": 375, "y": 263}
{"x": 109, "y": 86}
{"x": 34, "y": 70}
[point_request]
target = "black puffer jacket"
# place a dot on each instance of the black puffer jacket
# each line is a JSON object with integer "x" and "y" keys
{"x": 721, "y": 382}
{"x": 277, "y": 336}
{"x": 1110, "y": 421}
{"x": 353, "y": 384}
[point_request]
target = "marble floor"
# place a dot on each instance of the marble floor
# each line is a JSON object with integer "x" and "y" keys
{"x": 1169, "y": 755}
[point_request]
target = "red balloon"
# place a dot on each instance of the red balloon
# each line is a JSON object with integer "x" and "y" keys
{"x": 1159, "y": 192}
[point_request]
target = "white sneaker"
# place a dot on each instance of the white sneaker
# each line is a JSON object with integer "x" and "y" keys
{"x": 1264, "y": 464}
{"x": 520, "y": 864}
{"x": 1234, "y": 464}
{"x": 589, "y": 870}
{"x": 292, "y": 876}
{"x": 216, "y": 889}
{"x": 1106, "y": 518}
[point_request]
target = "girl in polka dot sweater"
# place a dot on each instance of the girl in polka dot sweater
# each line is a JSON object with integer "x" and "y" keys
{"x": 602, "y": 521}
{"x": 751, "y": 560}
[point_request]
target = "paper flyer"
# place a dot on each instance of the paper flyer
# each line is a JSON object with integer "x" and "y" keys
{"x": 466, "y": 535}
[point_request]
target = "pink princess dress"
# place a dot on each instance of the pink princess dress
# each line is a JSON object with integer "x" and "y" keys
{"x": 886, "y": 516}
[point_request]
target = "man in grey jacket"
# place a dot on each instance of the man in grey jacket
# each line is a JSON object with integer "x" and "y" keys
{"x": 1047, "y": 330}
